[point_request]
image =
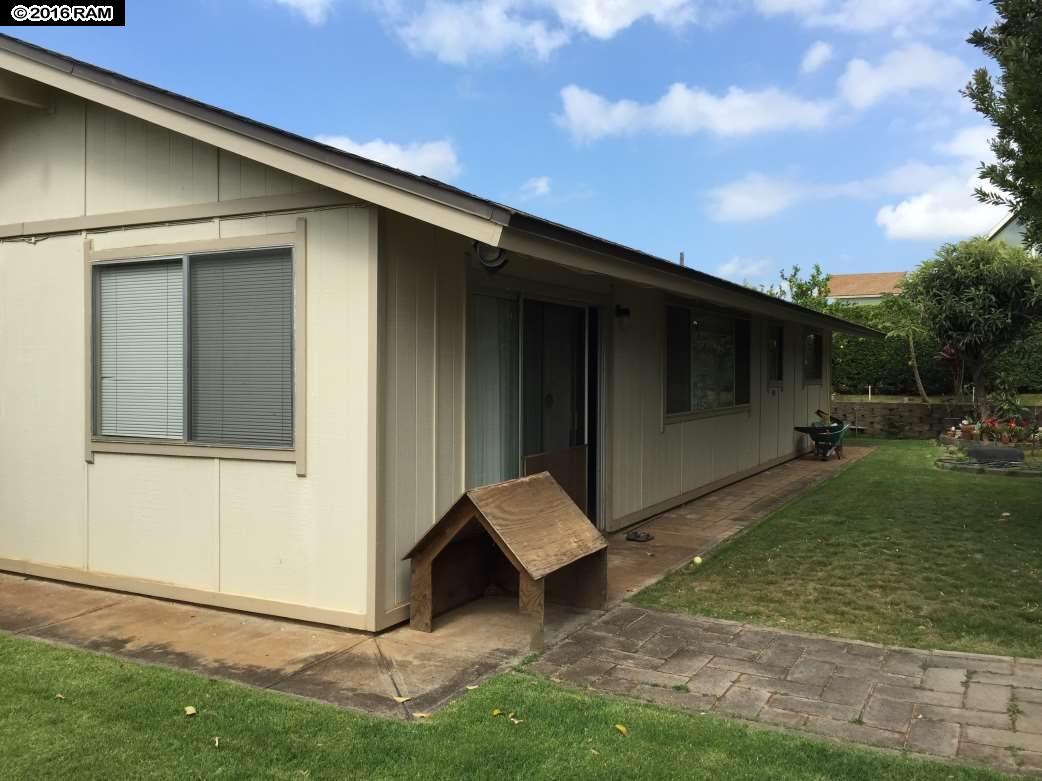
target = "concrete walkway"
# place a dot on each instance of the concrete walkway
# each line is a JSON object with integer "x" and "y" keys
{"x": 983, "y": 709}
{"x": 353, "y": 669}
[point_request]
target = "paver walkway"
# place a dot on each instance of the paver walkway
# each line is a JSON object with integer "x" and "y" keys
{"x": 984, "y": 709}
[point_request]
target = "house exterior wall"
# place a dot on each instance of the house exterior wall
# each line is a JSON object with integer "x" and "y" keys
{"x": 648, "y": 465}
{"x": 422, "y": 348}
{"x": 102, "y": 161}
{"x": 238, "y": 533}
{"x": 655, "y": 463}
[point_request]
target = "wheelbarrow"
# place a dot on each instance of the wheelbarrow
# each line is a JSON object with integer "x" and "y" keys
{"x": 827, "y": 437}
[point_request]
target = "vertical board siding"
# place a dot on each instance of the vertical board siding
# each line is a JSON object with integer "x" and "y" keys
{"x": 242, "y": 178}
{"x": 41, "y": 161}
{"x": 653, "y": 462}
{"x": 424, "y": 310}
{"x": 86, "y": 159}
{"x": 236, "y": 527}
{"x": 132, "y": 164}
{"x": 42, "y": 396}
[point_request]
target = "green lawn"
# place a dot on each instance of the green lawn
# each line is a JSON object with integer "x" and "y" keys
{"x": 891, "y": 550}
{"x": 119, "y": 719}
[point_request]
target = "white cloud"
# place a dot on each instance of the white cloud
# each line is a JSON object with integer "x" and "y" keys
{"x": 914, "y": 67}
{"x": 970, "y": 142}
{"x": 436, "y": 159}
{"x": 739, "y": 269}
{"x": 684, "y": 110}
{"x": 816, "y": 56}
{"x": 461, "y": 31}
{"x": 605, "y": 18}
{"x": 536, "y": 187}
{"x": 753, "y": 197}
{"x": 457, "y": 33}
{"x": 937, "y": 197}
{"x": 866, "y": 16}
{"x": 315, "y": 11}
{"x": 945, "y": 208}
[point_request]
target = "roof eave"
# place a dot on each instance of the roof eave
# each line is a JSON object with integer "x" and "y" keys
{"x": 584, "y": 242}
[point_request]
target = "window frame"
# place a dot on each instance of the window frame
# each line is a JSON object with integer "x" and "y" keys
{"x": 669, "y": 418}
{"x": 296, "y": 243}
{"x": 820, "y": 378}
{"x": 772, "y": 325}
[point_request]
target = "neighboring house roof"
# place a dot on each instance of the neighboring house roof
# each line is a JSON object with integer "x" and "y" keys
{"x": 425, "y": 198}
{"x": 1001, "y": 226}
{"x": 864, "y": 285}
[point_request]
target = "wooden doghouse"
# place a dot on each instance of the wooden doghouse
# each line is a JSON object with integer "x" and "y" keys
{"x": 524, "y": 536}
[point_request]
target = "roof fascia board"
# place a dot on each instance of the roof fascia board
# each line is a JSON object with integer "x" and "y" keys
{"x": 674, "y": 282}
{"x": 60, "y": 75}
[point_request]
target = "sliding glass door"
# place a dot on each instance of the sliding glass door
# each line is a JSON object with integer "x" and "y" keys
{"x": 527, "y": 392}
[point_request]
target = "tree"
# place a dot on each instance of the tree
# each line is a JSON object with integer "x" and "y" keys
{"x": 1014, "y": 106}
{"x": 978, "y": 297}
{"x": 904, "y": 320}
{"x": 812, "y": 292}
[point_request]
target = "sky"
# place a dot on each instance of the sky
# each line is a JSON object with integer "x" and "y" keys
{"x": 749, "y": 134}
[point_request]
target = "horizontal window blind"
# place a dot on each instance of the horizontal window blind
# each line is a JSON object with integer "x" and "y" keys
{"x": 140, "y": 343}
{"x": 241, "y": 358}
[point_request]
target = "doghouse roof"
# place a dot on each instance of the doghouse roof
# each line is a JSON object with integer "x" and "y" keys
{"x": 533, "y": 521}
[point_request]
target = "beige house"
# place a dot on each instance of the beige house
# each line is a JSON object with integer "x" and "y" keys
{"x": 241, "y": 368}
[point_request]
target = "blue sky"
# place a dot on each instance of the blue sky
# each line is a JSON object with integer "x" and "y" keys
{"x": 751, "y": 134}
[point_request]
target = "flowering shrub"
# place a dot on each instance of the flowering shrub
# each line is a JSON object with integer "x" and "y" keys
{"x": 992, "y": 429}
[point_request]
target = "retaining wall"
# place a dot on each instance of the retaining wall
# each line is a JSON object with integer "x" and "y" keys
{"x": 904, "y": 421}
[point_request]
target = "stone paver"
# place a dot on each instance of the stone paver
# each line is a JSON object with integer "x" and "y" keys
{"x": 927, "y": 702}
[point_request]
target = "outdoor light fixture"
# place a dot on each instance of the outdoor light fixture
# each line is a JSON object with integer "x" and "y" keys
{"x": 491, "y": 258}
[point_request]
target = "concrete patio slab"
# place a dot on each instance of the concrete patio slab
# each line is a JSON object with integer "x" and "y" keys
{"x": 26, "y": 603}
{"x": 245, "y": 648}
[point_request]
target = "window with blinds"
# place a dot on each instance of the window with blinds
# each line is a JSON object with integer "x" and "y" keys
{"x": 196, "y": 349}
{"x": 140, "y": 345}
{"x": 241, "y": 333}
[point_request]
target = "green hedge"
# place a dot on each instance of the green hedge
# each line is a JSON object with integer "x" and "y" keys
{"x": 883, "y": 363}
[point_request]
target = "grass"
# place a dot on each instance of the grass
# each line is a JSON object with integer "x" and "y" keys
{"x": 1027, "y": 399}
{"x": 891, "y": 550}
{"x": 119, "y": 719}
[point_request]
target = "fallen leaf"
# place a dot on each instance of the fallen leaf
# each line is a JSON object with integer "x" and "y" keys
{"x": 216, "y": 742}
{"x": 421, "y": 715}
{"x": 59, "y": 696}
{"x": 496, "y": 712}
{"x": 189, "y": 710}
{"x": 621, "y": 728}
{"x": 400, "y": 700}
